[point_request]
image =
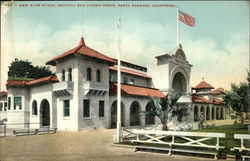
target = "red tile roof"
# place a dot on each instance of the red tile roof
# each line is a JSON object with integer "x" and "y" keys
{"x": 203, "y": 85}
{"x": 83, "y": 50}
{"x": 3, "y": 93}
{"x": 199, "y": 99}
{"x": 17, "y": 82}
{"x": 136, "y": 90}
{"x": 219, "y": 91}
{"x": 43, "y": 80}
{"x": 48, "y": 79}
{"x": 123, "y": 70}
{"x": 218, "y": 102}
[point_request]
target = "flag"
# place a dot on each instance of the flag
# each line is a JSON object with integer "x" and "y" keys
{"x": 186, "y": 18}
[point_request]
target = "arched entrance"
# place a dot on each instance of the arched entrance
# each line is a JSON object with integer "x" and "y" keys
{"x": 208, "y": 113}
{"x": 196, "y": 114}
{"x": 149, "y": 120}
{"x": 135, "y": 114}
{"x": 217, "y": 113}
{"x": 202, "y": 113}
{"x": 222, "y": 113}
{"x": 179, "y": 83}
{"x": 114, "y": 115}
{"x": 213, "y": 113}
{"x": 45, "y": 113}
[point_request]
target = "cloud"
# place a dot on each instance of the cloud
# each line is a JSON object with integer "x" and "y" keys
{"x": 220, "y": 65}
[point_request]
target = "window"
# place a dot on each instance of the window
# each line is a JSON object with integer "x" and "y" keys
{"x": 101, "y": 108}
{"x": 70, "y": 74}
{"x": 98, "y": 76}
{"x": 34, "y": 107}
{"x": 110, "y": 78}
{"x": 1, "y": 106}
{"x": 5, "y": 106}
{"x": 125, "y": 80}
{"x": 9, "y": 103}
{"x": 17, "y": 103}
{"x": 88, "y": 74}
{"x": 132, "y": 81}
{"x": 115, "y": 79}
{"x": 86, "y": 108}
{"x": 63, "y": 75}
{"x": 66, "y": 108}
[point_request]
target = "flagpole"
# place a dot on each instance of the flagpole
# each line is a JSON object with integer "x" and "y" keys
{"x": 118, "y": 126}
{"x": 177, "y": 26}
{"x": 82, "y": 22}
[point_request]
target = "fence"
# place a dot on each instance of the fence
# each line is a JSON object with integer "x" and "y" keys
{"x": 174, "y": 139}
{"x": 10, "y": 129}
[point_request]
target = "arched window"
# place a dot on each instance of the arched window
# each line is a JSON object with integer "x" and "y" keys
{"x": 34, "y": 107}
{"x": 98, "y": 75}
{"x": 63, "y": 75}
{"x": 88, "y": 74}
{"x": 70, "y": 74}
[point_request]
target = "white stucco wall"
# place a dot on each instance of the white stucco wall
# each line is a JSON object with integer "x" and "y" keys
{"x": 71, "y": 122}
{"x": 160, "y": 77}
{"x": 40, "y": 93}
{"x": 94, "y": 121}
{"x": 18, "y": 116}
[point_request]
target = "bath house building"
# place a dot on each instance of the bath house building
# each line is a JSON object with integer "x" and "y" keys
{"x": 82, "y": 93}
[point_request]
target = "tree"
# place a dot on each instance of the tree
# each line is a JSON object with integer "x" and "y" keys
{"x": 238, "y": 98}
{"x": 25, "y": 69}
{"x": 166, "y": 109}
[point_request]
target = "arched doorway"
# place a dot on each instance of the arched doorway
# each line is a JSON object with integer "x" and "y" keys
{"x": 202, "y": 113}
{"x": 149, "y": 120}
{"x": 179, "y": 83}
{"x": 213, "y": 113}
{"x": 135, "y": 114}
{"x": 217, "y": 113}
{"x": 45, "y": 113}
{"x": 114, "y": 115}
{"x": 196, "y": 114}
{"x": 222, "y": 113}
{"x": 208, "y": 113}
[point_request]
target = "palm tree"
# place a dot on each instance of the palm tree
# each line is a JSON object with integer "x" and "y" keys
{"x": 167, "y": 108}
{"x": 239, "y": 99}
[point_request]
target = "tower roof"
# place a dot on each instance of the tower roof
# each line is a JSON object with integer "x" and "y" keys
{"x": 82, "y": 49}
{"x": 203, "y": 85}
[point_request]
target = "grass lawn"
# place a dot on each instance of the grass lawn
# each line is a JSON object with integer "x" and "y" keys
{"x": 229, "y": 130}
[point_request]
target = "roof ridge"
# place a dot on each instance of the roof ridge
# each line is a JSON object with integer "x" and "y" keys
{"x": 82, "y": 49}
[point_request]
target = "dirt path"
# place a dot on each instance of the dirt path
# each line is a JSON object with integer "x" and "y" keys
{"x": 75, "y": 146}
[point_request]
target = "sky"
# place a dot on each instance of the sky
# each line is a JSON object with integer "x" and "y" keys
{"x": 217, "y": 47}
